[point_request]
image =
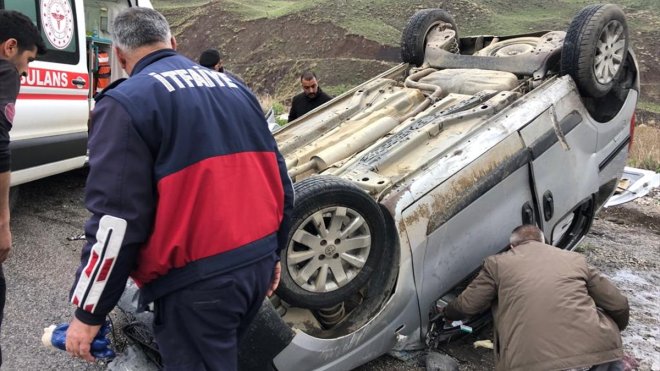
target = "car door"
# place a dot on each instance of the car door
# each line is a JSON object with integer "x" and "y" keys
{"x": 468, "y": 217}
{"x": 562, "y": 141}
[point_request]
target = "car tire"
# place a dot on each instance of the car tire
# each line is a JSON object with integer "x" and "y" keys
{"x": 413, "y": 38}
{"x": 595, "y": 49}
{"x": 319, "y": 270}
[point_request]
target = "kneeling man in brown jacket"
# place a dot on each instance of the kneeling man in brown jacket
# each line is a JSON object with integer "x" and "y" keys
{"x": 552, "y": 310}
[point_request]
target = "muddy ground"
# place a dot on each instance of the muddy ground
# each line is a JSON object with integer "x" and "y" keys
{"x": 624, "y": 243}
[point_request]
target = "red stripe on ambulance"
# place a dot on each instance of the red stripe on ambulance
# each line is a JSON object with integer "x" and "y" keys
{"x": 47, "y": 78}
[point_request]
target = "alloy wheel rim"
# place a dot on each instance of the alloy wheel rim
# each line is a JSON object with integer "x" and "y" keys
{"x": 329, "y": 249}
{"x": 609, "y": 52}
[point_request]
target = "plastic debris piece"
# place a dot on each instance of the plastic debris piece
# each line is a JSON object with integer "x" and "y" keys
{"x": 483, "y": 344}
{"x": 466, "y": 328}
{"x": 77, "y": 237}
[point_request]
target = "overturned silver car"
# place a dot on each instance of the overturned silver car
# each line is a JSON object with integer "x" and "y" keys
{"x": 407, "y": 182}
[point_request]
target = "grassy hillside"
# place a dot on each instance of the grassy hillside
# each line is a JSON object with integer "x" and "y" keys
{"x": 383, "y": 20}
{"x": 269, "y": 42}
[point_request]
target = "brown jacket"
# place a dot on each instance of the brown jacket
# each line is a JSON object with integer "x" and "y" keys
{"x": 552, "y": 311}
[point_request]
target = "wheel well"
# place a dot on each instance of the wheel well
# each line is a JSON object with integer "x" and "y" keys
{"x": 605, "y": 108}
{"x": 381, "y": 285}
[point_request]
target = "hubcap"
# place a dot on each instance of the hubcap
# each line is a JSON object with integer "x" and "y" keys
{"x": 329, "y": 249}
{"x": 609, "y": 52}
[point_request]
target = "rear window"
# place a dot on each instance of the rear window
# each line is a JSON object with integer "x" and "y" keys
{"x": 56, "y": 19}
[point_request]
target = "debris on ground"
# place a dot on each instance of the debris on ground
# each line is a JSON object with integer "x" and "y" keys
{"x": 440, "y": 362}
{"x": 483, "y": 344}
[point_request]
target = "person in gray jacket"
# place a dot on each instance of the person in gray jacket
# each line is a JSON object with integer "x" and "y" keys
{"x": 551, "y": 310}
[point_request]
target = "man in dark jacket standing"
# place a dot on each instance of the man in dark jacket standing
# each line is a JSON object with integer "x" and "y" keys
{"x": 311, "y": 97}
{"x": 552, "y": 310}
{"x": 20, "y": 42}
{"x": 189, "y": 196}
{"x": 212, "y": 58}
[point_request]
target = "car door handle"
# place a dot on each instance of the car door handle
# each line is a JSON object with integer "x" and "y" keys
{"x": 528, "y": 214}
{"x": 548, "y": 206}
{"x": 79, "y": 82}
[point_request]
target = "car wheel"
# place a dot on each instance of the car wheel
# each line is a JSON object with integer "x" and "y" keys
{"x": 336, "y": 240}
{"x": 595, "y": 48}
{"x": 413, "y": 38}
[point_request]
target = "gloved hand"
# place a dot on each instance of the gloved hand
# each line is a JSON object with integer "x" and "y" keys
{"x": 55, "y": 336}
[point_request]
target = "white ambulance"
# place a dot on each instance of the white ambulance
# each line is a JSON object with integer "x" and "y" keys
{"x": 49, "y": 135}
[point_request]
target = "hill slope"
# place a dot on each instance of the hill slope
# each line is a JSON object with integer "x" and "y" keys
{"x": 269, "y": 42}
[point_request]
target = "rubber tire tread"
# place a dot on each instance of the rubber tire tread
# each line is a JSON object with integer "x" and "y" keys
{"x": 578, "y": 50}
{"x": 413, "y": 36}
{"x": 313, "y": 194}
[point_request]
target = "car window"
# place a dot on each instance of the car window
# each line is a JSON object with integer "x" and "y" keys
{"x": 56, "y": 19}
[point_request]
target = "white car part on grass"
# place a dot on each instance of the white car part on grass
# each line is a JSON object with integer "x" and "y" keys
{"x": 634, "y": 183}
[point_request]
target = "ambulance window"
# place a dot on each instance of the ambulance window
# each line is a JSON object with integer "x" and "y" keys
{"x": 29, "y": 8}
{"x": 56, "y": 20}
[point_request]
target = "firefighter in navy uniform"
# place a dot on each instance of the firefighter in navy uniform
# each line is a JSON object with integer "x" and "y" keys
{"x": 190, "y": 197}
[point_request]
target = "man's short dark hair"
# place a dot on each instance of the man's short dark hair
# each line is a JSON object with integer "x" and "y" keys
{"x": 209, "y": 58}
{"x": 16, "y": 25}
{"x": 307, "y": 75}
{"x": 524, "y": 233}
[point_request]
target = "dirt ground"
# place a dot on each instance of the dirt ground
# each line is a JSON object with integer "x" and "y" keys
{"x": 624, "y": 243}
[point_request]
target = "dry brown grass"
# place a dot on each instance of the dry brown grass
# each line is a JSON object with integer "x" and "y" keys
{"x": 266, "y": 101}
{"x": 645, "y": 153}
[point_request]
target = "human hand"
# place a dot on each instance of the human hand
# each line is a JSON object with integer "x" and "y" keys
{"x": 5, "y": 242}
{"x": 277, "y": 271}
{"x": 79, "y": 338}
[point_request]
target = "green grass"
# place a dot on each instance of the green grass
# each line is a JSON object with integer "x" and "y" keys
{"x": 584, "y": 247}
{"x": 254, "y": 9}
{"x": 336, "y": 90}
{"x": 175, "y": 4}
{"x": 373, "y": 29}
{"x": 383, "y": 20}
{"x": 522, "y": 21}
{"x": 649, "y": 106}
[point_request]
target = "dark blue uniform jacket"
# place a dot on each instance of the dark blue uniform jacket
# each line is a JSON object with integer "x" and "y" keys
{"x": 185, "y": 182}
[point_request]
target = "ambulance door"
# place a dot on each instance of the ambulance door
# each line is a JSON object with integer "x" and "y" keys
{"x": 49, "y": 134}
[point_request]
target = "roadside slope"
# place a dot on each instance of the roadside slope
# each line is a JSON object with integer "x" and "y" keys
{"x": 269, "y": 42}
